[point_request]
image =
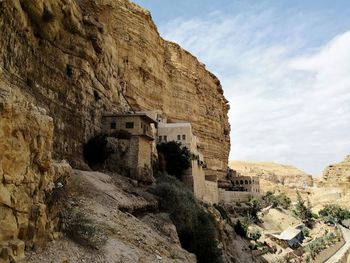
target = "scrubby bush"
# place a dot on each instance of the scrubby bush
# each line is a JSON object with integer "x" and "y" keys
{"x": 281, "y": 200}
{"x": 319, "y": 244}
{"x": 177, "y": 157}
{"x": 95, "y": 150}
{"x": 241, "y": 227}
{"x": 85, "y": 231}
{"x": 195, "y": 226}
{"x": 334, "y": 214}
{"x": 255, "y": 207}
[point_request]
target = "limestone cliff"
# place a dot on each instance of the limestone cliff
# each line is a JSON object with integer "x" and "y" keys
{"x": 28, "y": 177}
{"x": 78, "y": 59}
{"x": 274, "y": 173}
{"x": 337, "y": 175}
{"x": 334, "y": 186}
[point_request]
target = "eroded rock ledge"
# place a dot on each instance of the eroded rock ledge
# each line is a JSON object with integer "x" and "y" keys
{"x": 79, "y": 59}
{"x": 28, "y": 177}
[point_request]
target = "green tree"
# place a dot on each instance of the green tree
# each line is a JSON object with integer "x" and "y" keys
{"x": 302, "y": 211}
{"x": 177, "y": 158}
{"x": 255, "y": 207}
{"x": 195, "y": 226}
{"x": 334, "y": 213}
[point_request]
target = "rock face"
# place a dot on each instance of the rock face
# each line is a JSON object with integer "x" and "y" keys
{"x": 337, "y": 174}
{"x": 110, "y": 202}
{"x": 286, "y": 175}
{"x": 28, "y": 177}
{"x": 79, "y": 59}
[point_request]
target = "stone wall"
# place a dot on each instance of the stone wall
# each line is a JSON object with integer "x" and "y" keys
{"x": 79, "y": 59}
{"x": 131, "y": 157}
{"x": 212, "y": 192}
{"x": 233, "y": 196}
{"x": 29, "y": 179}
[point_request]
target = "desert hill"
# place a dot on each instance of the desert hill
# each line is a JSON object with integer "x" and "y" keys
{"x": 275, "y": 173}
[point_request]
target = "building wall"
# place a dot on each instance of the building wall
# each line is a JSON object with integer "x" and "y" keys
{"x": 140, "y": 126}
{"x": 249, "y": 183}
{"x": 212, "y": 192}
{"x": 144, "y": 152}
{"x": 195, "y": 176}
{"x": 172, "y": 130}
{"x": 199, "y": 187}
{"x": 233, "y": 196}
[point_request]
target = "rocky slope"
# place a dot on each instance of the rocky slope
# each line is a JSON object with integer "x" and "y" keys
{"x": 29, "y": 179}
{"x": 133, "y": 228}
{"x": 273, "y": 173}
{"x": 78, "y": 59}
{"x": 337, "y": 174}
{"x": 108, "y": 202}
{"x": 334, "y": 186}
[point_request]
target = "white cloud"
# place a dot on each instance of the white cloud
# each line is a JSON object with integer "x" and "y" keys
{"x": 287, "y": 104}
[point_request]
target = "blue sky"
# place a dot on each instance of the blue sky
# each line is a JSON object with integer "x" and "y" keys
{"x": 284, "y": 66}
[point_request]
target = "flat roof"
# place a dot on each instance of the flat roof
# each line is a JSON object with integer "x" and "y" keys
{"x": 141, "y": 115}
{"x": 287, "y": 234}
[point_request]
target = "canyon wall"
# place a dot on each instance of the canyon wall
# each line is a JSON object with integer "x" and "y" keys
{"x": 79, "y": 59}
{"x": 29, "y": 179}
{"x": 337, "y": 175}
{"x": 273, "y": 173}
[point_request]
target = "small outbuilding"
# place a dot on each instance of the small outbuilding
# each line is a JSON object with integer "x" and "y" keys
{"x": 291, "y": 237}
{"x": 131, "y": 137}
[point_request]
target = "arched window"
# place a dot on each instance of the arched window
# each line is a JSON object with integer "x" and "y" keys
{"x": 246, "y": 181}
{"x": 241, "y": 182}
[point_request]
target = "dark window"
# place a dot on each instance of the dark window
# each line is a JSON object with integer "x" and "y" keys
{"x": 141, "y": 125}
{"x": 113, "y": 125}
{"x": 241, "y": 182}
{"x": 250, "y": 182}
{"x": 236, "y": 182}
{"x": 165, "y": 138}
{"x": 160, "y": 138}
{"x": 69, "y": 71}
{"x": 246, "y": 182}
{"x": 183, "y": 137}
{"x": 129, "y": 125}
{"x": 179, "y": 137}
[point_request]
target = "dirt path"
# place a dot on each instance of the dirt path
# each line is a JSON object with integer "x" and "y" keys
{"x": 341, "y": 252}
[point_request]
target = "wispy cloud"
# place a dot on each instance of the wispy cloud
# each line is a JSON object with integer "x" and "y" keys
{"x": 290, "y": 101}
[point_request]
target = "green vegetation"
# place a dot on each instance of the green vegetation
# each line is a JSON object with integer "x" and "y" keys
{"x": 85, "y": 231}
{"x": 304, "y": 211}
{"x": 177, "y": 158}
{"x": 195, "y": 226}
{"x": 241, "y": 227}
{"x": 95, "y": 150}
{"x": 334, "y": 214}
{"x": 319, "y": 244}
{"x": 277, "y": 201}
{"x": 255, "y": 205}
